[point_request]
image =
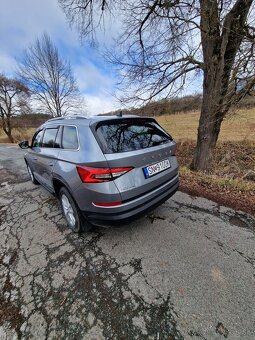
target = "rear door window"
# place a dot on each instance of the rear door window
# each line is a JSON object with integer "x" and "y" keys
{"x": 49, "y": 138}
{"x": 70, "y": 138}
{"x": 130, "y": 136}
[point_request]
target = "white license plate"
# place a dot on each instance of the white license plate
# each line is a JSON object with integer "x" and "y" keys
{"x": 155, "y": 168}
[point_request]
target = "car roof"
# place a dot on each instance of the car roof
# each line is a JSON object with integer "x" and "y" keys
{"x": 84, "y": 120}
{"x": 90, "y": 118}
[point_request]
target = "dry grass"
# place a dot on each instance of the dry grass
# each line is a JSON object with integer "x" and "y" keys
{"x": 18, "y": 134}
{"x": 182, "y": 126}
{"x": 221, "y": 183}
{"x": 231, "y": 178}
{"x": 236, "y": 127}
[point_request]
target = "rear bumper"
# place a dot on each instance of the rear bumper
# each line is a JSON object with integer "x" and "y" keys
{"x": 134, "y": 209}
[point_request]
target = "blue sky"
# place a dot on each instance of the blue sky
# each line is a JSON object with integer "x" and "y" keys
{"x": 21, "y": 22}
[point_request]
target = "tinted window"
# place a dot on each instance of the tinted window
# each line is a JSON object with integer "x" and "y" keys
{"x": 49, "y": 138}
{"x": 121, "y": 137}
{"x": 69, "y": 139}
{"x": 37, "y": 139}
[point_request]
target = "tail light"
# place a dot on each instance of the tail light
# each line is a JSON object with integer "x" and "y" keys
{"x": 99, "y": 175}
{"x": 174, "y": 150}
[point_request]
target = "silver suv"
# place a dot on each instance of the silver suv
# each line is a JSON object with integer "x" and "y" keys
{"x": 104, "y": 170}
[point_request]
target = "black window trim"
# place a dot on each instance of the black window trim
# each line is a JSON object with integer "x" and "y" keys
{"x": 60, "y": 130}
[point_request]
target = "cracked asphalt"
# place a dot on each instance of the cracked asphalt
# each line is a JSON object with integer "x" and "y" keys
{"x": 186, "y": 271}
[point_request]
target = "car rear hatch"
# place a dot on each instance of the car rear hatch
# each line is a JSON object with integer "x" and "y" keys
{"x": 140, "y": 147}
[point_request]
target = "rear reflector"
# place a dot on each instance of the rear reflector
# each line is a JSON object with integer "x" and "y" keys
{"x": 112, "y": 204}
{"x": 99, "y": 175}
{"x": 173, "y": 151}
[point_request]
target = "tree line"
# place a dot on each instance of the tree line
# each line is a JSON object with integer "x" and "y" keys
{"x": 44, "y": 80}
{"x": 184, "y": 104}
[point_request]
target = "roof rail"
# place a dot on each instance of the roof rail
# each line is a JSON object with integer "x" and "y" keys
{"x": 74, "y": 116}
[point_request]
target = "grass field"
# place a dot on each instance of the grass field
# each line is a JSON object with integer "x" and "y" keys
{"x": 18, "y": 134}
{"x": 236, "y": 127}
{"x": 183, "y": 126}
{"x": 230, "y": 180}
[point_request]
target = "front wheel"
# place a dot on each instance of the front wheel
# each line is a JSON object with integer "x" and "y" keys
{"x": 75, "y": 221}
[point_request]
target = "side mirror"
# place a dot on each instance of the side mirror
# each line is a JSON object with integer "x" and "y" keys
{"x": 24, "y": 144}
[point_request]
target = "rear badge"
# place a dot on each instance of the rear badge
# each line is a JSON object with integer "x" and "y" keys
{"x": 156, "y": 168}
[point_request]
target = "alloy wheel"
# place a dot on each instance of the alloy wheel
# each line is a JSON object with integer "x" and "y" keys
{"x": 68, "y": 210}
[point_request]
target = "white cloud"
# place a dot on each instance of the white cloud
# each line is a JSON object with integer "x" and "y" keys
{"x": 101, "y": 104}
{"x": 97, "y": 86}
{"x": 7, "y": 64}
{"x": 21, "y": 22}
{"x": 91, "y": 78}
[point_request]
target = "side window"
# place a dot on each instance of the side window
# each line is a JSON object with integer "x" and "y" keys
{"x": 70, "y": 138}
{"x": 37, "y": 139}
{"x": 49, "y": 138}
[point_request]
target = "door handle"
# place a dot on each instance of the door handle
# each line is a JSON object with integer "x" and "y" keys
{"x": 50, "y": 164}
{"x": 34, "y": 159}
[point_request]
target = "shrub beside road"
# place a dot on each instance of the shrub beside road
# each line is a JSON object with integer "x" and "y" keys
{"x": 231, "y": 180}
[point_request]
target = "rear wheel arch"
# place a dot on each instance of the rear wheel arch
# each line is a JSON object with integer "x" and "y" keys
{"x": 81, "y": 223}
{"x": 57, "y": 184}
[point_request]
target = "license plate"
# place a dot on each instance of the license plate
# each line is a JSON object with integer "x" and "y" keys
{"x": 155, "y": 168}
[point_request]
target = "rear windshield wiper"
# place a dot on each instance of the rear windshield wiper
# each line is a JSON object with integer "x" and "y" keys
{"x": 160, "y": 142}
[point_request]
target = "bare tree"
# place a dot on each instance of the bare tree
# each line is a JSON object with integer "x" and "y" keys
{"x": 50, "y": 78}
{"x": 166, "y": 43}
{"x": 13, "y": 101}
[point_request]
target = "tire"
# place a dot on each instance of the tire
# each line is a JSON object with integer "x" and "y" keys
{"x": 75, "y": 221}
{"x": 31, "y": 175}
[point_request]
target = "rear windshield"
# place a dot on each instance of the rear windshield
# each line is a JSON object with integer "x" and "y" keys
{"x": 130, "y": 136}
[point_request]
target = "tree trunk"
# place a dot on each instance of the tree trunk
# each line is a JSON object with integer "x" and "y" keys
{"x": 219, "y": 52}
{"x": 11, "y": 139}
{"x": 208, "y": 133}
{"x": 6, "y": 123}
{"x": 211, "y": 115}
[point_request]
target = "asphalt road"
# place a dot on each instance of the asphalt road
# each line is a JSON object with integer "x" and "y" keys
{"x": 187, "y": 271}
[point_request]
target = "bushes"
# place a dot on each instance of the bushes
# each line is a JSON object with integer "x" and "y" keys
{"x": 179, "y": 105}
{"x": 26, "y": 121}
{"x": 170, "y": 106}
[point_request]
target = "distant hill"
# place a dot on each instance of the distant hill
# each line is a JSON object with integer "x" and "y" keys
{"x": 186, "y": 104}
{"x": 31, "y": 120}
{"x": 177, "y": 105}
